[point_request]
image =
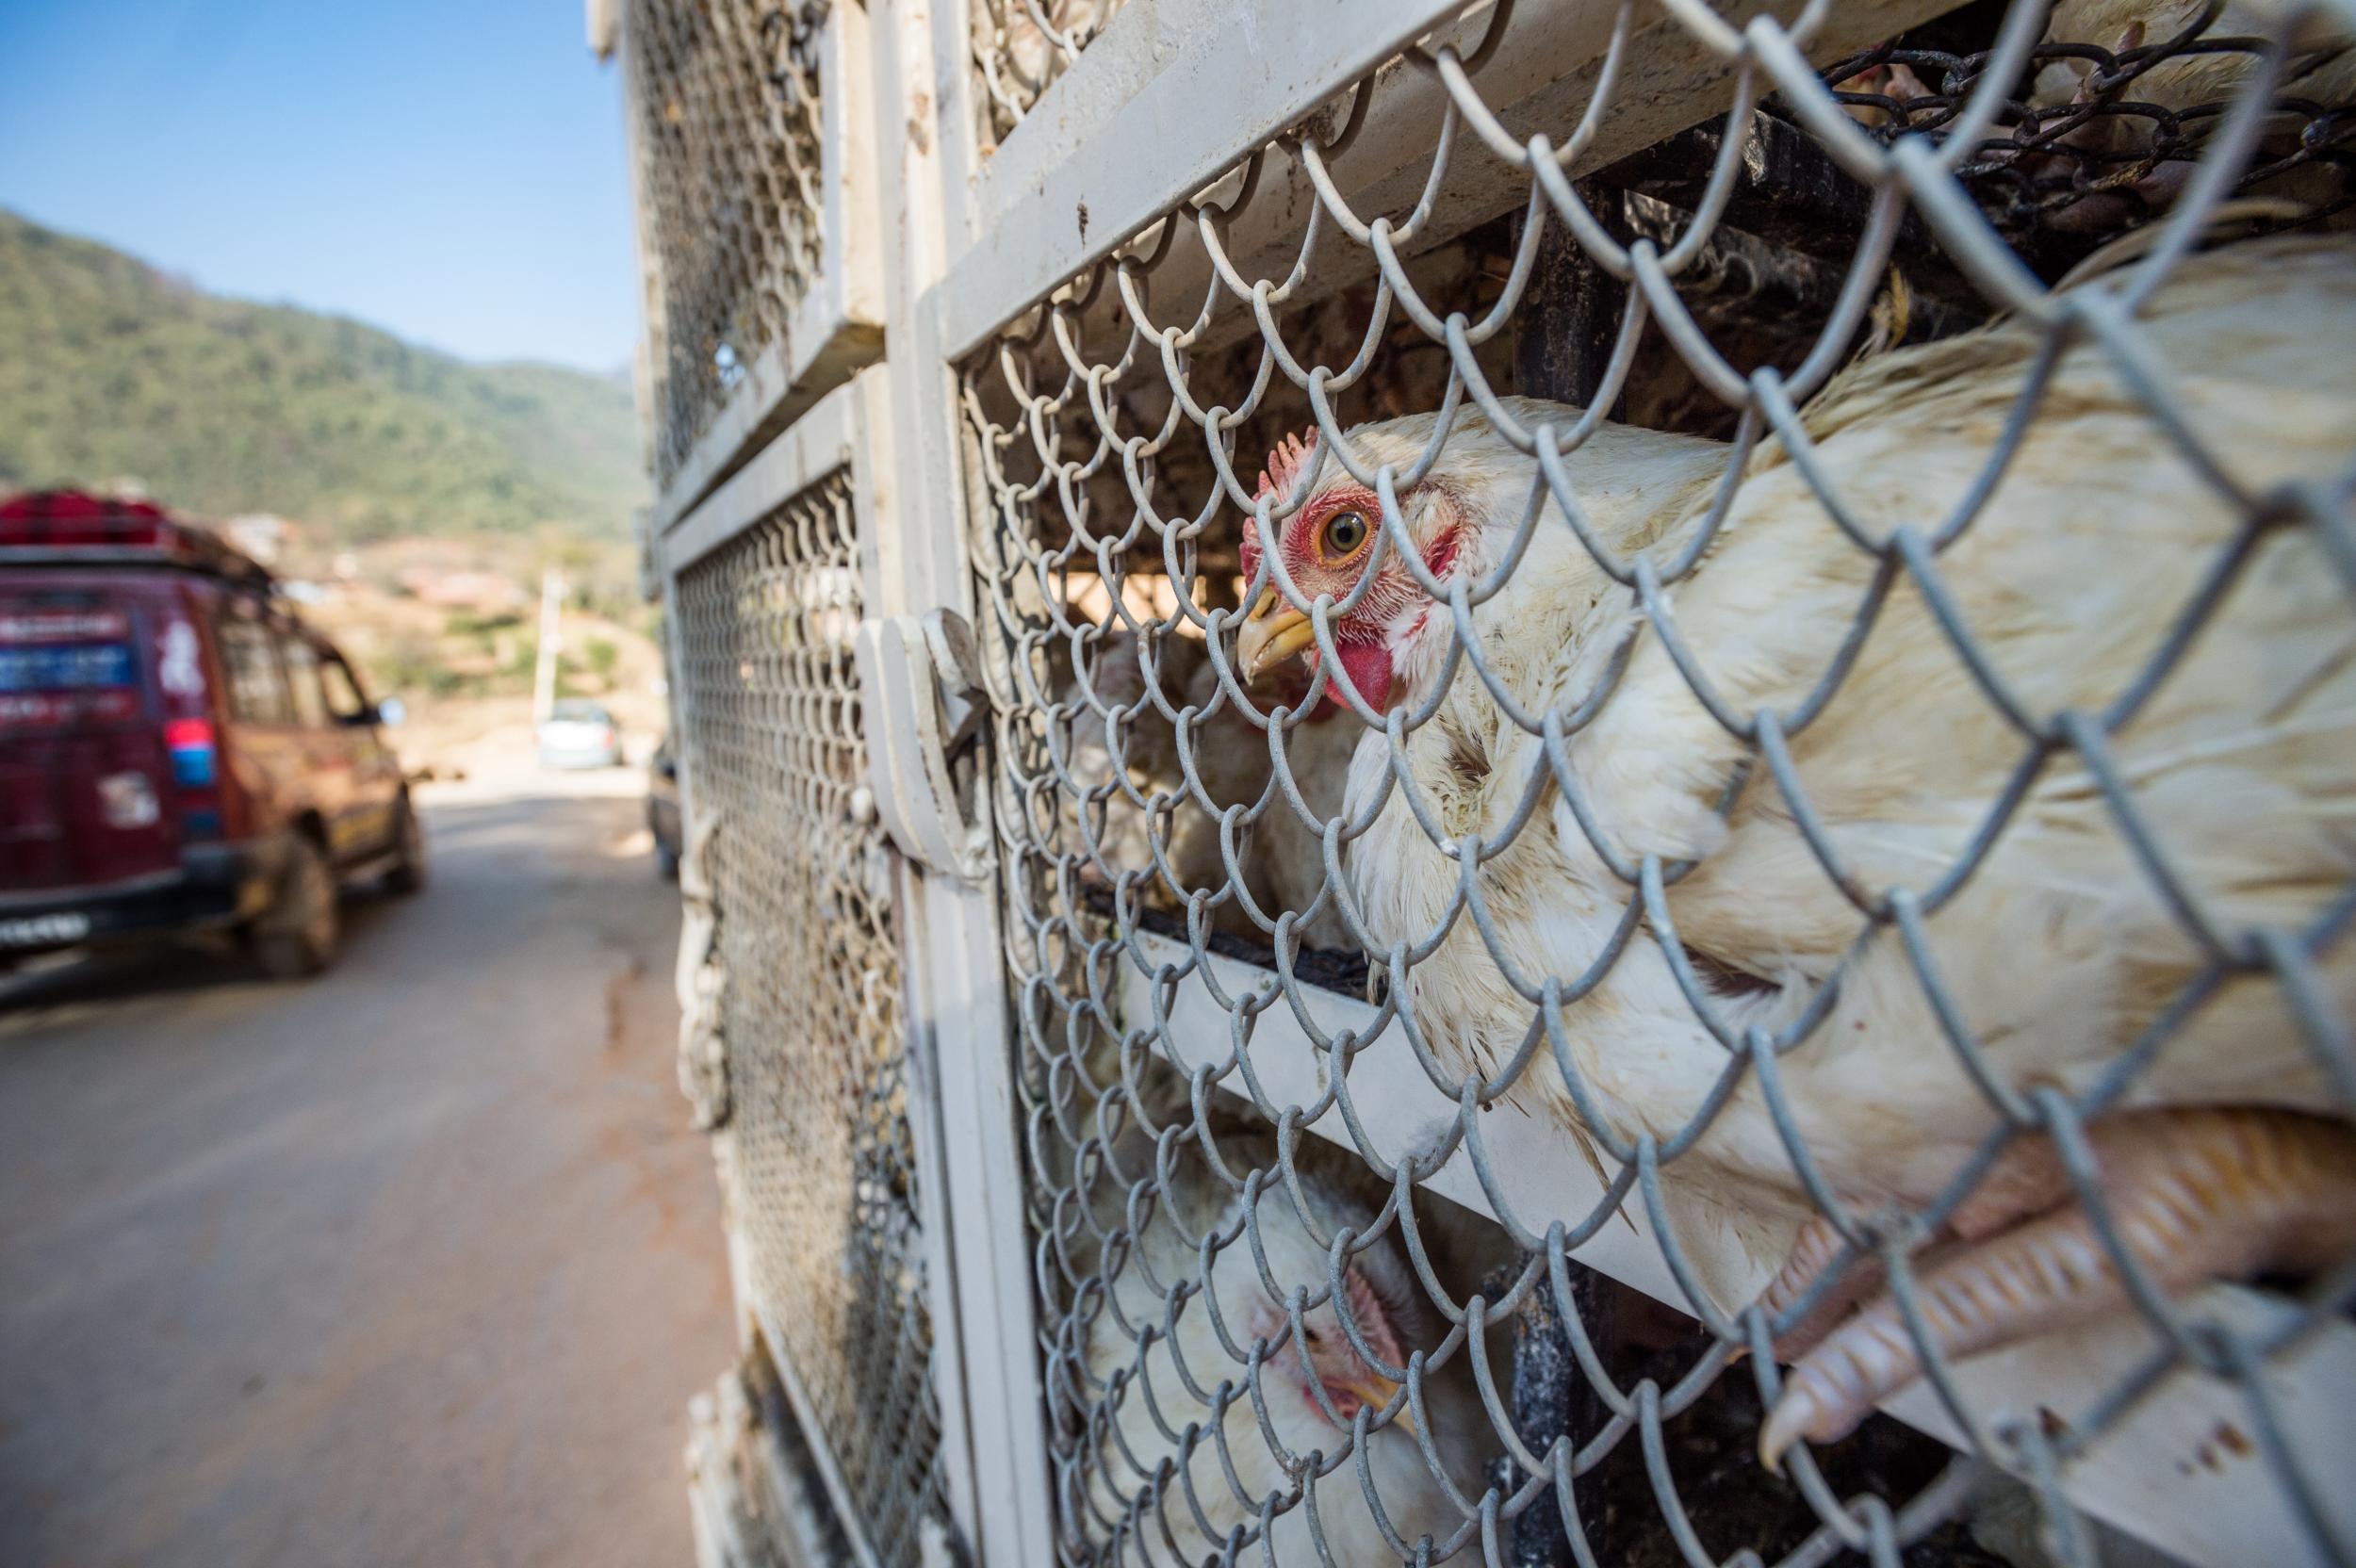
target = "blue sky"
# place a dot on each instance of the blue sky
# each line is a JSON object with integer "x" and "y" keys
{"x": 451, "y": 170}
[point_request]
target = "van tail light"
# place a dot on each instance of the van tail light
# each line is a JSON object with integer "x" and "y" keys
{"x": 195, "y": 761}
{"x": 196, "y": 775}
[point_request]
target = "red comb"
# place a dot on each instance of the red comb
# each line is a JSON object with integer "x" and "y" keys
{"x": 1287, "y": 463}
{"x": 1292, "y": 457}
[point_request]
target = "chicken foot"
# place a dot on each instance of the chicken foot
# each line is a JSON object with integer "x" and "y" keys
{"x": 2027, "y": 1178}
{"x": 1812, "y": 1253}
{"x": 2194, "y": 1195}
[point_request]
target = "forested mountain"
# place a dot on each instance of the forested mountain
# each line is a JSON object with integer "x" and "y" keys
{"x": 111, "y": 369}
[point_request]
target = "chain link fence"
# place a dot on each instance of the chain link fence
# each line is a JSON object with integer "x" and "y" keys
{"x": 822, "y": 1183}
{"x": 1797, "y": 686}
{"x": 2120, "y": 106}
{"x": 726, "y": 100}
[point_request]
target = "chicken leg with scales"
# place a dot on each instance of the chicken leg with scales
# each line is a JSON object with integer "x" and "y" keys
{"x": 2193, "y": 1195}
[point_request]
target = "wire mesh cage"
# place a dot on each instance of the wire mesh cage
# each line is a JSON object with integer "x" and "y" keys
{"x": 730, "y": 172}
{"x": 2113, "y": 114}
{"x": 1764, "y": 718}
{"x": 823, "y": 1187}
{"x": 752, "y": 1504}
{"x": 754, "y": 205}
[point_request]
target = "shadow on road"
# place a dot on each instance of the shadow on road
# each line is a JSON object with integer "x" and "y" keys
{"x": 460, "y": 832}
{"x": 189, "y": 964}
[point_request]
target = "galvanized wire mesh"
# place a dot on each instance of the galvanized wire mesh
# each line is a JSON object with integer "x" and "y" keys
{"x": 1020, "y": 46}
{"x": 824, "y": 1188}
{"x": 1843, "y": 817}
{"x": 2112, "y": 117}
{"x": 727, "y": 93}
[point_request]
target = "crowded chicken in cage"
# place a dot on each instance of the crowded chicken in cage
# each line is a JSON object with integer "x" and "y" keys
{"x": 1881, "y": 751}
{"x": 1867, "y": 767}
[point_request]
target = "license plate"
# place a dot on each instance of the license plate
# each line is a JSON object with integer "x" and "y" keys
{"x": 44, "y": 930}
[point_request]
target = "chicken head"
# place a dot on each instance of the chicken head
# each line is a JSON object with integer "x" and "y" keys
{"x": 1302, "y": 1366}
{"x": 1465, "y": 514}
{"x": 1334, "y": 550}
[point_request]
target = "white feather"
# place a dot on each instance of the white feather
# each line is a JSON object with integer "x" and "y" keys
{"x": 2060, "y": 949}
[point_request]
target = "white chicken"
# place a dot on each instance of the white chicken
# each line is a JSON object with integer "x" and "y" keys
{"x": 2227, "y": 1152}
{"x": 1156, "y": 1401}
{"x": 1284, "y": 853}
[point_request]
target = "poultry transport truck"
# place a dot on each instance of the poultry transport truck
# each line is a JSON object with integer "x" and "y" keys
{"x": 1512, "y": 782}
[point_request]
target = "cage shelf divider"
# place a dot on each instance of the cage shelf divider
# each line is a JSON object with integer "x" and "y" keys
{"x": 1123, "y": 155}
{"x": 2222, "y": 1512}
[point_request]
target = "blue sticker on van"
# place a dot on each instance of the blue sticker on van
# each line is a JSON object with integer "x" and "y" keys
{"x": 71, "y": 667}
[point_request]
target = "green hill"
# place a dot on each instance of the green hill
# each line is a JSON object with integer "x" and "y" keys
{"x": 109, "y": 368}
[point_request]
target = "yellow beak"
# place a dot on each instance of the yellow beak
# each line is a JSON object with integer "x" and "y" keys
{"x": 1375, "y": 1390}
{"x": 1273, "y": 632}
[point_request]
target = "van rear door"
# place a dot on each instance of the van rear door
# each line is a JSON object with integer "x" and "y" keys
{"x": 86, "y": 797}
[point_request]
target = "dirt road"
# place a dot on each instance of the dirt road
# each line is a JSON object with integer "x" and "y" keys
{"x": 417, "y": 1263}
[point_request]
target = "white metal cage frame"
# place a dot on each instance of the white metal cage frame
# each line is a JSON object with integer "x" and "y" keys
{"x": 1140, "y": 959}
{"x": 825, "y": 1164}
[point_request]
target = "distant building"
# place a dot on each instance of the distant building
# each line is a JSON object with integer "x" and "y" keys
{"x": 462, "y": 589}
{"x": 262, "y": 536}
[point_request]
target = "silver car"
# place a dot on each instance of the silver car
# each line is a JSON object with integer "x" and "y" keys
{"x": 578, "y": 734}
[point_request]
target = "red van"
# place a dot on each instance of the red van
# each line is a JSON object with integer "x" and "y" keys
{"x": 178, "y": 751}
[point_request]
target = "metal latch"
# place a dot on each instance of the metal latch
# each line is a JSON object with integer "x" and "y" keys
{"x": 921, "y": 681}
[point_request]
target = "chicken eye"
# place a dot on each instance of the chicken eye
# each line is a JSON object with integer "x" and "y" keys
{"x": 1344, "y": 532}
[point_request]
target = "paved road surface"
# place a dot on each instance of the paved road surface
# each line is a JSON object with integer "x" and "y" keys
{"x": 417, "y": 1263}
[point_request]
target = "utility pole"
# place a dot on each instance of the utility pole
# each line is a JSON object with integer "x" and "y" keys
{"x": 543, "y": 677}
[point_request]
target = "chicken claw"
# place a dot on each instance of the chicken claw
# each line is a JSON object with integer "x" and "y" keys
{"x": 2195, "y": 1195}
{"x": 1812, "y": 1253}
